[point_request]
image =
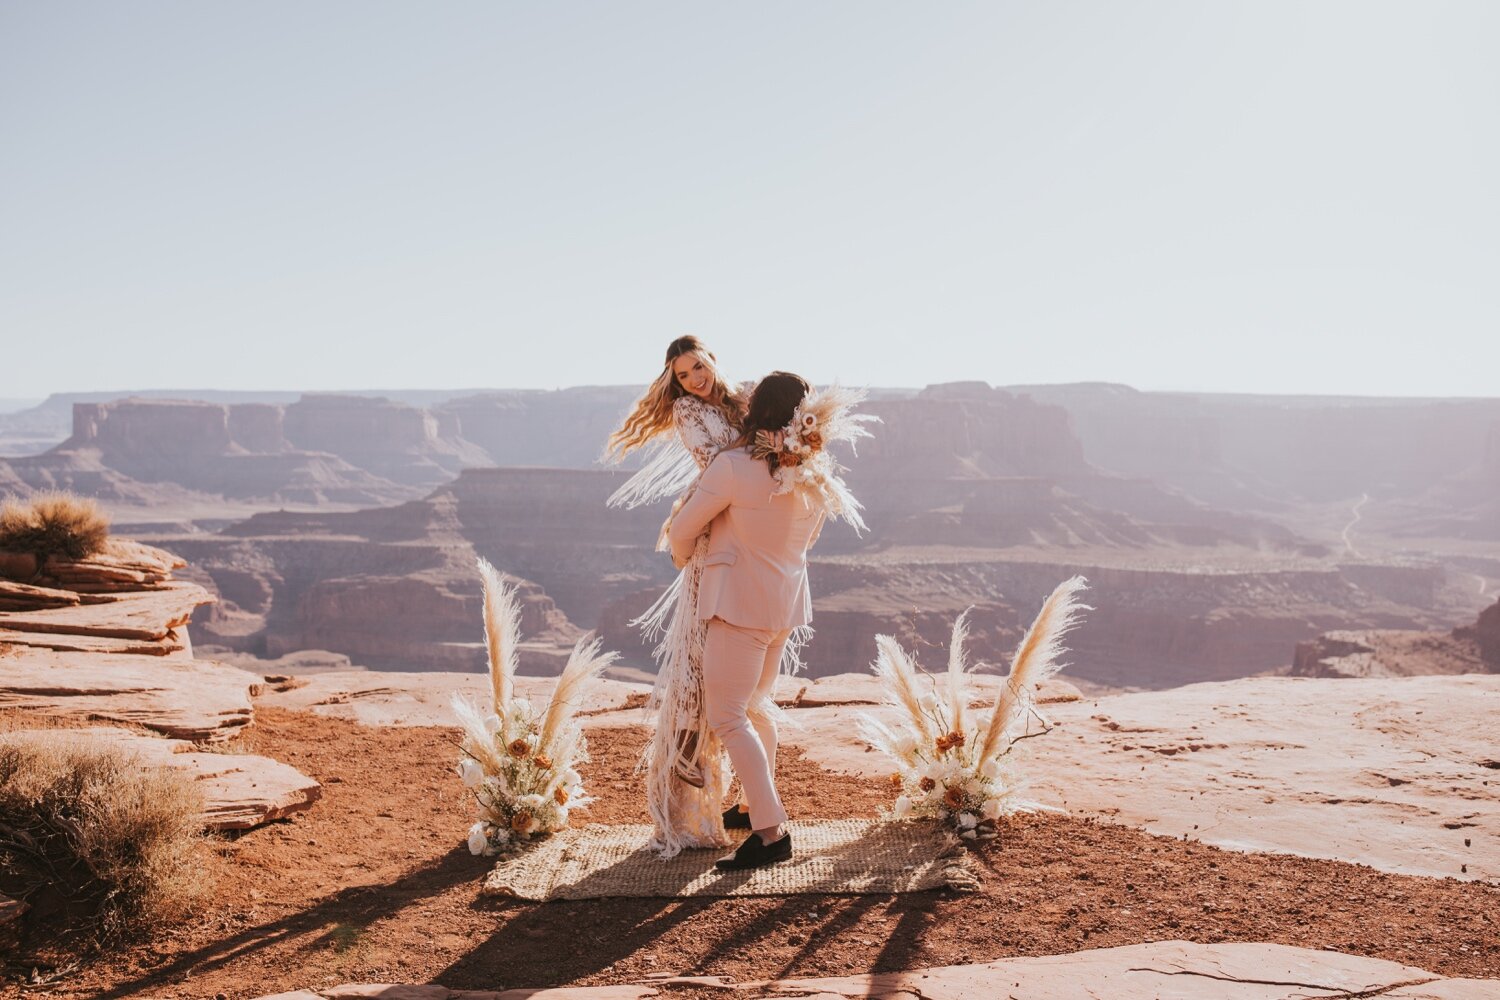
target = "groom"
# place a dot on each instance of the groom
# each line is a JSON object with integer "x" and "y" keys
{"x": 752, "y": 594}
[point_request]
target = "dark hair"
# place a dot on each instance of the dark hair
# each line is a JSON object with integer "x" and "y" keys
{"x": 772, "y": 404}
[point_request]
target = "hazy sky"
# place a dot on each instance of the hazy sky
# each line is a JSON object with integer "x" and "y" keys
{"x": 1256, "y": 196}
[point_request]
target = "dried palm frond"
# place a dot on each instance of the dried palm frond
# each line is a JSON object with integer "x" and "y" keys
{"x": 502, "y": 634}
{"x": 584, "y": 664}
{"x": 902, "y": 686}
{"x": 958, "y": 674}
{"x": 1036, "y": 659}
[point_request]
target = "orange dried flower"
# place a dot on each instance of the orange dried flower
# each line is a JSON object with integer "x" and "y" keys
{"x": 927, "y": 784}
{"x": 519, "y": 748}
{"x": 896, "y": 780}
{"x": 787, "y": 459}
{"x": 953, "y": 797}
{"x": 522, "y": 821}
{"x": 542, "y": 761}
{"x": 560, "y": 795}
{"x": 956, "y": 739}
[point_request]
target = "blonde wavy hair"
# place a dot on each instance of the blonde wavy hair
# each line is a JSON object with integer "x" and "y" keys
{"x": 651, "y": 416}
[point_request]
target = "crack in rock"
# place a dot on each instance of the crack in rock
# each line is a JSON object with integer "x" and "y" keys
{"x": 1331, "y": 992}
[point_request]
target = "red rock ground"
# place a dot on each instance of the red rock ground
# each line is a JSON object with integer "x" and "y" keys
{"x": 374, "y": 885}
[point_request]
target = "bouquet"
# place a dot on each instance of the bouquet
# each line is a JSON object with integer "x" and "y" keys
{"x": 949, "y": 764}
{"x": 799, "y": 448}
{"x": 521, "y": 762}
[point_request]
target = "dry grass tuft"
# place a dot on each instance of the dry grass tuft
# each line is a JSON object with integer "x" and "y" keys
{"x": 53, "y": 523}
{"x": 101, "y": 833}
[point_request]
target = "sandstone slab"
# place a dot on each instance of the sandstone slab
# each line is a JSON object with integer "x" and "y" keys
{"x": 865, "y": 689}
{"x": 391, "y": 698}
{"x": 140, "y": 614}
{"x": 198, "y": 700}
{"x": 240, "y": 791}
{"x": 171, "y": 643}
{"x": 1161, "y": 970}
{"x": 1402, "y": 774}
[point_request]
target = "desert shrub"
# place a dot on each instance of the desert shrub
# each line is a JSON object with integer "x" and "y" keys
{"x": 116, "y": 839}
{"x": 53, "y": 523}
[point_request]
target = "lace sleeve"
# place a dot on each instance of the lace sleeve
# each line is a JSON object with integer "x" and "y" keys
{"x": 698, "y": 425}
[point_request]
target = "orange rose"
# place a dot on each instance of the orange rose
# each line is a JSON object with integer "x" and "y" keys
{"x": 519, "y": 748}
{"x": 813, "y": 440}
{"x": 522, "y": 821}
{"x": 953, "y": 797}
{"x": 927, "y": 784}
{"x": 787, "y": 459}
{"x": 542, "y": 761}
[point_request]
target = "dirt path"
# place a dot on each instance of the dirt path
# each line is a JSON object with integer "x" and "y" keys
{"x": 374, "y": 885}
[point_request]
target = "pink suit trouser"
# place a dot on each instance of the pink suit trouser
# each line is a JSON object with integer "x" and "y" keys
{"x": 739, "y": 670}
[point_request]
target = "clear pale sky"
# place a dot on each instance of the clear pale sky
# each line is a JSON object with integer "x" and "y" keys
{"x": 1257, "y": 196}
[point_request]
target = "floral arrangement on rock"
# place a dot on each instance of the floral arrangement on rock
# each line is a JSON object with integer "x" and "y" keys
{"x": 520, "y": 762}
{"x": 950, "y": 764}
{"x": 800, "y": 449}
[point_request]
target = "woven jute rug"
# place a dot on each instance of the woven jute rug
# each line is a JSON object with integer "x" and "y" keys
{"x": 846, "y": 856}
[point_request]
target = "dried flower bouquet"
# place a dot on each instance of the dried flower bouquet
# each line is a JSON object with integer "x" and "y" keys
{"x": 521, "y": 763}
{"x": 950, "y": 764}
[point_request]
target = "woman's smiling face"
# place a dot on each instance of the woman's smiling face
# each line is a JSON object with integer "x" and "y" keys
{"x": 694, "y": 374}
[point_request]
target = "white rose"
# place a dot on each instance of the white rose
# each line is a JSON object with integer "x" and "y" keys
{"x": 470, "y": 771}
{"x": 991, "y": 768}
{"x": 973, "y": 786}
{"x": 928, "y": 703}
{"x": 573, "y": 780}
{"x": 492, "y": 724}
{"x": 967, "y": 821}
{"x": 990, "y": 809}
{"x": 906, "y": 746}
{"x": 478, "y": 842}
{"x": 533, "y": 804}
{"x": 902, "y": 808}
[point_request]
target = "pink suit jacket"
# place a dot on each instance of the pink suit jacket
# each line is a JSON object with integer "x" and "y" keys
{"x": 755, "y": 572}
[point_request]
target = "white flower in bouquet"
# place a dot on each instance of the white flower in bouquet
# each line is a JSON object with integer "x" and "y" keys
{"x": 929, "y": 703}
{"x": 479, "y": 841}
{"x": 974, "y": 786}
{"x": 902, "y": 808}
{"x": 967, "y": 821}
{"x": 990, "y": 809}
{"x": 492, "y": 724}
{"x": 470, "y": 772}
{"x": 906, "y": 745}
{"x": 990, "y": 769}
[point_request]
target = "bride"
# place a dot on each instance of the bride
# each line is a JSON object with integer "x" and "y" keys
{"x": 686, "y": 417}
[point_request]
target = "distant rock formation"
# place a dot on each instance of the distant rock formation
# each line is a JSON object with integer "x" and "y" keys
{"x": 1403, "y": 653}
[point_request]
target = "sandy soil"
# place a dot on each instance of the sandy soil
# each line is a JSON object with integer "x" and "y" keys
{"x": 374, "y": 885}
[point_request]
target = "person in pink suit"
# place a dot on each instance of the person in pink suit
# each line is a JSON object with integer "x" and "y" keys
{"x": 752, "y": 595}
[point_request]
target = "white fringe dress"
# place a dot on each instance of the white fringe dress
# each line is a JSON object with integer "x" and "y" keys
{"x": 683, "y": 816}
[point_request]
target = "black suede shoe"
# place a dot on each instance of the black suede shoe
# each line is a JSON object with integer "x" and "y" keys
{"x": 756, "y": 853}
{"x": 736, "y": 818}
